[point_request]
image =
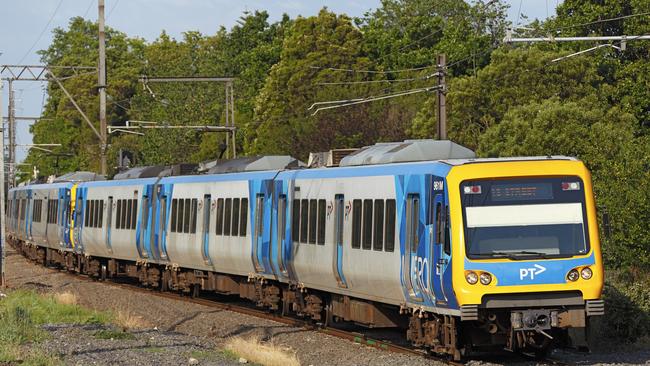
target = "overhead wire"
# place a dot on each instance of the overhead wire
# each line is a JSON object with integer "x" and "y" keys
{"x": 42, "y": 32}
{"x": 599, "y": 21}
{"x": 90, "y": 5}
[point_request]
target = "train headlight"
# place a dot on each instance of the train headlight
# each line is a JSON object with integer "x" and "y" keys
{"x": 485, "y": 278}
{"x": 573, "y": 275}
{"x": 586, "y": 273}
{"x": 471, "y": 277}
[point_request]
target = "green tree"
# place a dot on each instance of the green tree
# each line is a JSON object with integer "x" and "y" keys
{"x": 312, "y": 46}
{"x": 603, "y": 137}
{"x": 62, "y": 123}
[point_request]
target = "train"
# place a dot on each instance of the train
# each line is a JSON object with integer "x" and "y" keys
{"x": 461, "y": 253}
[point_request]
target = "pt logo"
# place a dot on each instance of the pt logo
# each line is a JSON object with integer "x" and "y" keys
{"x": 531, "y": 272}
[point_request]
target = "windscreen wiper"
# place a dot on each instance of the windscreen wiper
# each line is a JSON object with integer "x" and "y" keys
{"x": 516, "y": 255}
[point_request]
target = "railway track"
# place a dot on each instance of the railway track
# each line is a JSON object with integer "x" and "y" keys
{"x": 214, "y": 302}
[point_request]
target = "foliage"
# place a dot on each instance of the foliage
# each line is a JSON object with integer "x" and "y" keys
{"x": 501, "y": 100}
{"x": 21, "y": 315}
{"x": 627, "y": 309}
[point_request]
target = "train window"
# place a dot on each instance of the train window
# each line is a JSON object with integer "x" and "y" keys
{"x": 86, "y": 214}
{"x": 390, "y": 226}
{"x": 312, "y": 221}
{"x": 134, "y": 219}
{"x": 174, "y": 213}
{"x": 378, "y": 235}
{"x": 118, "y": 215}
{"x": 321, "y": 221}
{"x": 109, "y": 216}
{"x": 446, "y": 244}
{"x": 304, "y": 211}
{"x": 282, "y": 227}
{"x": 259, "y": 217}
{"x": 93, "y": 217}
{"x": 356, "y": 224}
{"x": 36, "y": 214}
{"x": 367, "y": 224}
{"x": 244, "y": 217}
{"x": 226, "y": 216}
{"x": 219, "y": 226}
{"x": 129, "y": 212}
{"x": 100, "y": 211}
{"x": 413, "y": 221}
{"x": 235, "y": 217}
{"x": 295, "y": 220}
{"x": 195, "y": 208}
{"x": 163, "y": 214}
{"x": 187, "y": 215}
{"x": 179, "y": 215}
{"x": 439, "y": 224}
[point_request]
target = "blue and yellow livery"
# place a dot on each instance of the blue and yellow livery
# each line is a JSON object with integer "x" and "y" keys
{"x": 462, "y": 253}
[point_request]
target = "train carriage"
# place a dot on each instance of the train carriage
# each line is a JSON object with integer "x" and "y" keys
{"x": 460, "y": 252}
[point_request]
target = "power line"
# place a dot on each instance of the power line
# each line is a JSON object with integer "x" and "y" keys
{"x": 370, "y": 71}
{"x": 600, "y": 21}
{"x": 377, "y": 81}
{"x": 112, "y": 8}
{"x": 372, "y": 99}
{"x": 42, "y": 32}
{"x": 88, "y": 9}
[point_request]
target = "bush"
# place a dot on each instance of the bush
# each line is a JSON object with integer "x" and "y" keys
{"x": 627, "y": 308}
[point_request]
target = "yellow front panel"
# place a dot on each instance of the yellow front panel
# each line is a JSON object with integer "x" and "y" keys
{"x": 472, "y": 294}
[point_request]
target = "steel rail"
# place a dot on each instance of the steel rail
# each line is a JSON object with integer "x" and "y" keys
{"x": 354, "y": 337}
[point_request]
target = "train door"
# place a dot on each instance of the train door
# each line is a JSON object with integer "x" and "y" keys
{"x": 413, "y": 262}
{"x": 78, "y": 218}
{"x": 339, "y": 217}
{"x": 160, "y": 239}
{"x": 28, "y": 216}
{"x": 62, "y": 216}
{"x": 436, "y": 235}
{"x": 143, "y": 234}
{"x": 280, "y": 240}
{"x": 109, "y": 224}
{"x": 207, "y": 205}
{"x": 262, "y": 208}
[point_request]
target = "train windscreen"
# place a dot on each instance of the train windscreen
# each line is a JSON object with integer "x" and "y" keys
{"x": 525, "y": 218}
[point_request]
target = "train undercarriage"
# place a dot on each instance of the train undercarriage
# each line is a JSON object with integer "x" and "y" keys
{"x": 521, "y": 330}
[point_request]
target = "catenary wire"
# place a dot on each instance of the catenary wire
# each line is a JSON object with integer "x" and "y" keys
{"x": 47, "y": 25}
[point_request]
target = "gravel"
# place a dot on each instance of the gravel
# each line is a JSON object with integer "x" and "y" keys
{"x": 187, "y": 330}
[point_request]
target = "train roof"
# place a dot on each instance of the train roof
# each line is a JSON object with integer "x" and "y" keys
{"x": 455, "y": 162}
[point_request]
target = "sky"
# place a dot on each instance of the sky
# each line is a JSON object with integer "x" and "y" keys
{"x": 27, "y": 26}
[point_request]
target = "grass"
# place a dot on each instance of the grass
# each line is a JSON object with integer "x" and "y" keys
{"x": 127, "y": 320}
{"x": 113, "y": 334}
{"x": 21, "y": 315}
{"x": 262, "y": 353}
{"x": 65, "y": 298}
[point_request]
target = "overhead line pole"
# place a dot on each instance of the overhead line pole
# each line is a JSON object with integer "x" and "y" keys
{"x": 441, "y": 94}
{"x": 3, "y": 216}
{"x": 102, "y": 87}
{"x": 230, "y": 129}
{"x": 12, "y": 132}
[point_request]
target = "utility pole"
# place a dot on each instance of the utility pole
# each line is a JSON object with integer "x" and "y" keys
{"x": 12, "y": 132}
{"x": 3, "y": 216}
{"x": 102, "y": 87}
{"x": 441, "y": 93}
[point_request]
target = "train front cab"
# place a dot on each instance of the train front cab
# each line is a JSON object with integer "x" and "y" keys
{"x": 527, "y": 251}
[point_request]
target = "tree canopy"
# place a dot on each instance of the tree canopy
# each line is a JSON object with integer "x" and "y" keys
{"x": 503, "y": 100}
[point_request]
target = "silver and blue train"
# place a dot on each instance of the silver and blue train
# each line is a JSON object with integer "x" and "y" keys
{"x": 461, "y": 252}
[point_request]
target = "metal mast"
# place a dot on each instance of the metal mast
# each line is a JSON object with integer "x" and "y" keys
{"x": 102, "y": 87}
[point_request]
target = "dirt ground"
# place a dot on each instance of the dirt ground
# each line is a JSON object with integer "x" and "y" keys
{"x": 201, "y": 331}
